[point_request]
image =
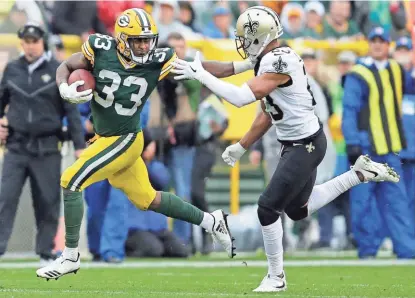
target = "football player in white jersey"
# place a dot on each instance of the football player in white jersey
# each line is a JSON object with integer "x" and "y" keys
{"x": 281, "y": 83}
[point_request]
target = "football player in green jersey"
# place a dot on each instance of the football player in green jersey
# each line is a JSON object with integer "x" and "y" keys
{"x": 126, "y": 69}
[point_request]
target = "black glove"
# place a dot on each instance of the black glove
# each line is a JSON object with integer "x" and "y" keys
{"x": 353, "y": 153}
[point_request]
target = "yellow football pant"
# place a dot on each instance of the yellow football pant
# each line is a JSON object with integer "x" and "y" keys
{"x": 117, "y": 159}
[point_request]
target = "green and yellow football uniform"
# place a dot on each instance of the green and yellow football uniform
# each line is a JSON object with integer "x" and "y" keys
{"x": 122, "y": 88}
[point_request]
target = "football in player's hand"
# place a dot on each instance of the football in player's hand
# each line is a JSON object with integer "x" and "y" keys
{"x": 82, "y": 75}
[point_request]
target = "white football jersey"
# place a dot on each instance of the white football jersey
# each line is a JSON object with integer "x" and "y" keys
{"x": 291, "y": 106}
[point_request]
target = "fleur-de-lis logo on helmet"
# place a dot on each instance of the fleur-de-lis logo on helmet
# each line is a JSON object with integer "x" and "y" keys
{"x": 251, "y": 26}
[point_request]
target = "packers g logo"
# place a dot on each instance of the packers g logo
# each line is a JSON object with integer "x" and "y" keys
{"x": 123, "y": 21}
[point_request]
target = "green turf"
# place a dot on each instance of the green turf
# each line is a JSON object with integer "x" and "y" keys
{"x": 394, "y": 281}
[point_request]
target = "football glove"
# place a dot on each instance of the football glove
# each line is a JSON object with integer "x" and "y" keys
{"x": 233, "y": 153}
{"x": 70, "y": 94}
{"x": 188, "y": 70}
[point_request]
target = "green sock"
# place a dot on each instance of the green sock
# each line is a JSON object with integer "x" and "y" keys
{"x": 74, "y": 212}
{"x": 173, "y": 206}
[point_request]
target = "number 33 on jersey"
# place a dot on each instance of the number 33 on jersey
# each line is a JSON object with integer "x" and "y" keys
{"x": 122, "y": 86}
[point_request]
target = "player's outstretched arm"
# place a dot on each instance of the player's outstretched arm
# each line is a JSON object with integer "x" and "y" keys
{"x": 257, "y": 88}
{"x": 227, "y": 69}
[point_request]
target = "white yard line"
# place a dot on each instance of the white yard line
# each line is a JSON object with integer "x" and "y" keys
{"x": 144, "y": 293}
{"x": 221, "y": 264}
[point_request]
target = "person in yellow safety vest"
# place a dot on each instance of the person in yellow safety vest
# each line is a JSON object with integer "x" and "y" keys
{"x": 372, "y": 124}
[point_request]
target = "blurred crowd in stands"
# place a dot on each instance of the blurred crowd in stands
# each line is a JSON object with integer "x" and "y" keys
{"x": 189, "y": 162}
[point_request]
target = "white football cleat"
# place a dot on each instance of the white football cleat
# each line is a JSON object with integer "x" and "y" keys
{"x": 59, "y": 267}
{"x": 374, "y": 171}
{"x": 221, "y": 233}
{"x": 272, "y": 284}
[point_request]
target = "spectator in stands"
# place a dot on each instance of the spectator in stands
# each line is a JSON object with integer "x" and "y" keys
{"x": 148, "y": 234}
{"x": 372, "y": 125}
{"x": 238, "y": 7}
{"x": 389, "y": 15}
{"x": 345, "y": 61}
{"x": 213, "y": 121}
{"x": 108, "y": 11}
{"x": 337, "y": 23}
{"x": 188, "y": 16}
{"x": 403, "y": 55}
{"x": 165, "y": 14}
{"x": 325, "y": 170}
{"x": 181, "y": 100}
{"x": 221, "y": 26}
{"x": 293, "y": 21}
{"x": 78, "y": 18}
{"x": 276, "y": 6}
{"x": 32, "y": 132}
{"x": 314, "y": 19}
{"x": 109, "y": 210}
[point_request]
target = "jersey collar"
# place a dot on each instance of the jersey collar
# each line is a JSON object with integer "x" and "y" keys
{"x": 125, "y": 63}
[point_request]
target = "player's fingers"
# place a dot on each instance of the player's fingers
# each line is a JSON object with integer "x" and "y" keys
{"x": 177, "y": 70}
{"x": 180, "y": 61}
{"x": 181, "y": 77}
{"x": 178, "y": 66}
{"x": 78, "y": 83}
{"x": 85, "y": 98}
{"x": 84, "y": 93}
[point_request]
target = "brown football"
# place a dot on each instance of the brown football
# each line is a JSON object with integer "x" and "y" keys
{"x": 82, "y": 75}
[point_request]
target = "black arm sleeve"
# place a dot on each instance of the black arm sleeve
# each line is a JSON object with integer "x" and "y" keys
{"x": 167, "y": 92}
{"x": 4, "y": 93}
{"x": 74, "y": 125}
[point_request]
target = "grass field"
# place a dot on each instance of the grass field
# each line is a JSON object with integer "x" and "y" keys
{"x": 213, "y": 278}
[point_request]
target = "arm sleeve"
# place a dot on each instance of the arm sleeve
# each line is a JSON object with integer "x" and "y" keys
{"x": 74, "y": 125}
{"x": 353, "y": 99}
{"x": 4, "y": 93}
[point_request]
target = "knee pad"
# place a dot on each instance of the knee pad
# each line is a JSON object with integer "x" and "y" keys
{"x": 267, "y": 215}
{"x": 298, "y": 213}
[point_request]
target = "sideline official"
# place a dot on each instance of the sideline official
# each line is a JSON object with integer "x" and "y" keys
{"x": 32, "y": 134}
{"x": 372, "y": 124}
